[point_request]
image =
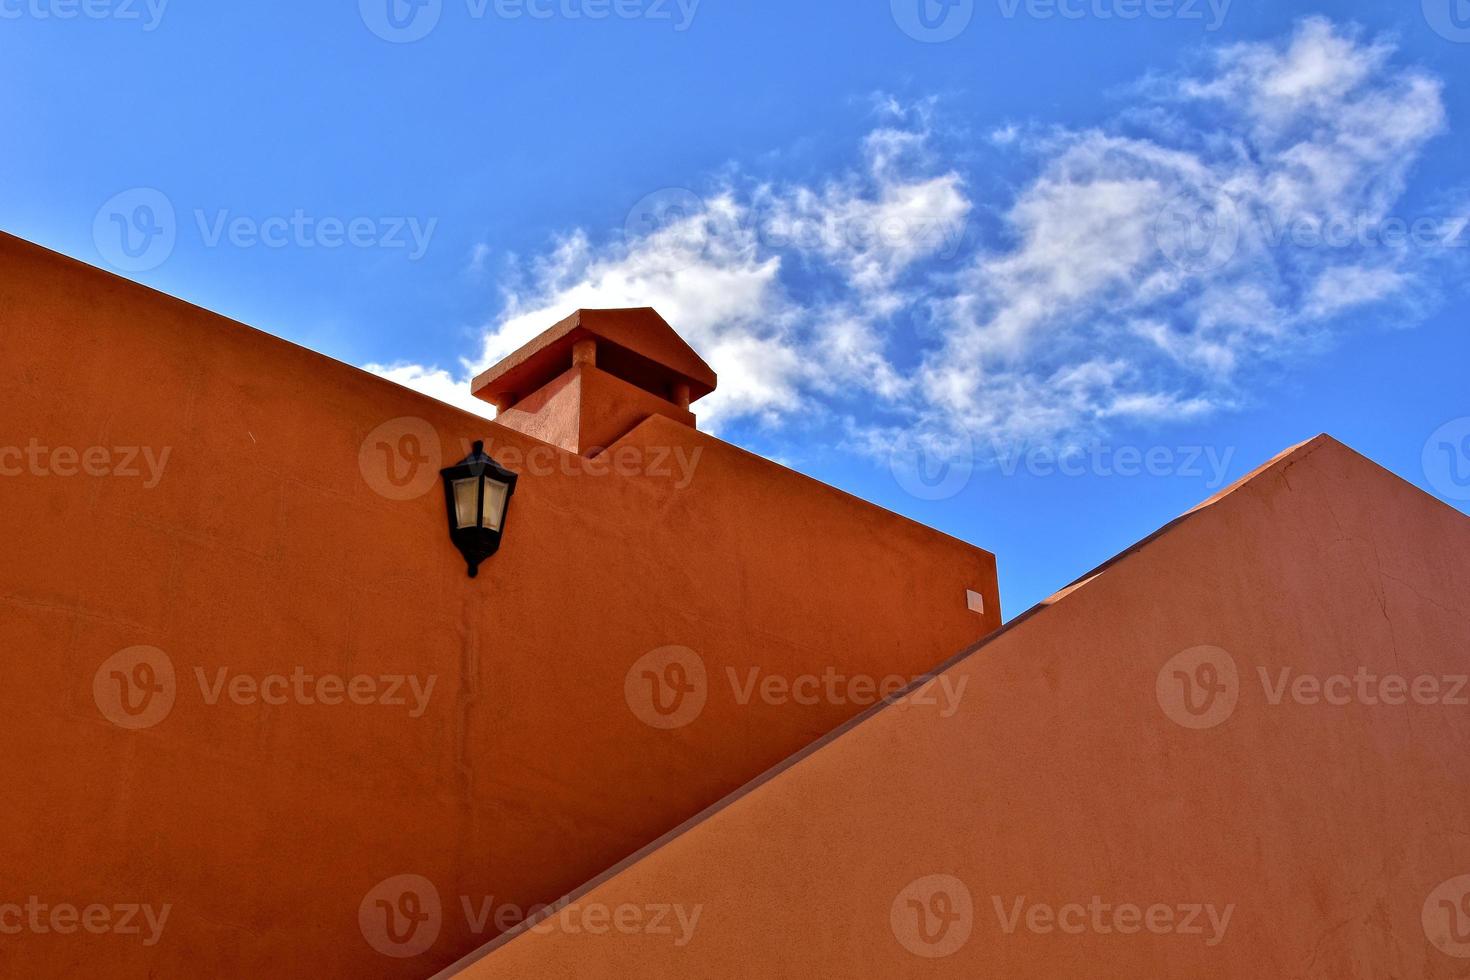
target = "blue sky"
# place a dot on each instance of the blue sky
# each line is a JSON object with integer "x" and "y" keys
{"x": 1040, "y": 273}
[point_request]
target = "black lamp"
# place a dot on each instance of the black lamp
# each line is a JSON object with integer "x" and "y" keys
{"x": 477, "y": 492}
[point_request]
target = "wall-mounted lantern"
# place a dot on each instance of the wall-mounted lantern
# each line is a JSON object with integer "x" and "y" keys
{"x": 477, "y": 493}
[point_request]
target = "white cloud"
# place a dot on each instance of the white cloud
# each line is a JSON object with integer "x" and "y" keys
{"x": 1317, "y": 70}
{"x": 871, "y": 239}
{"x": 1140, "y": 271}
{"x": 1342, "y": 287}
{"x": 479, "y": 256}
{"x": 1005, "y": 135}
{"x": 436, "y": 383}
{"x": 1178, "y": 245}
{"x": 705, "y": 273}
{"x": 712, "y": 266}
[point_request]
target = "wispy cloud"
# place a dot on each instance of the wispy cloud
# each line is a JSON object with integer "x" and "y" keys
{"x": 436, "y": 383}
{"x": 1149, "y": 268}
{"x": 1141, "y": 270}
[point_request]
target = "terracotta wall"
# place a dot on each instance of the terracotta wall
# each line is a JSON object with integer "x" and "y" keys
{"x": 269, "y": 541}
{"x": 1084, "y": 814}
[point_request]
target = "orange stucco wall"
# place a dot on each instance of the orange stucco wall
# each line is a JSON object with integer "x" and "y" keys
{"x": 274, "y": 541}
{"x": 1075, "y": 819}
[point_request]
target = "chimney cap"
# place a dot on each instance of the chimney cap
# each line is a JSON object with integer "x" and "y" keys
{"x": 636, "y": 343}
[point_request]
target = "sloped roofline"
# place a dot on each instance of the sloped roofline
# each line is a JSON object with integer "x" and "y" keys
{"x": 1280, "y": 462}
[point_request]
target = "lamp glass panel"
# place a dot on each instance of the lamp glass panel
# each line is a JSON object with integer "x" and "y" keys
{"x": 495, "y": 496}
{"x": 466, "y": 503}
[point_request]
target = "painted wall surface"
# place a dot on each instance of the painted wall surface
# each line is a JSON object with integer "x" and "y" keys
{"x": 585, "y": 410}
{"x": 227, "y": 587}
{"x": 1173, "y": 770}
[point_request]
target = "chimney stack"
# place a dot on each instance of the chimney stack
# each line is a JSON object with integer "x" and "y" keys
{"x": 595, "y": 376}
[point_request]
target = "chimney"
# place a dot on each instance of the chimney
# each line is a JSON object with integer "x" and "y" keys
{"x": 594, "y": 376}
